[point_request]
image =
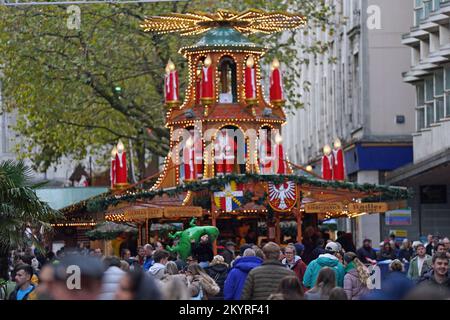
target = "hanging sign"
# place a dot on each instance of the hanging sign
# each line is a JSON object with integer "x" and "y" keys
{"x": 370, "y": 207}
{"x": 321, "y": 207}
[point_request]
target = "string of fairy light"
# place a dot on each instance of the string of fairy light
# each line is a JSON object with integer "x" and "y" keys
{"x": 247, "y": 22}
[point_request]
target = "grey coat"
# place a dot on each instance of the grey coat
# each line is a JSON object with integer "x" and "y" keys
{"x": 353, "y": 287}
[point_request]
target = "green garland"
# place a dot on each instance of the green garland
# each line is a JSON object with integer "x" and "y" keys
{"x": 217, "y": 184}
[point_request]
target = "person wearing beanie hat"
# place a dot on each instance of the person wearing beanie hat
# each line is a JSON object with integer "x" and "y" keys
{"x": 327, "y": 259}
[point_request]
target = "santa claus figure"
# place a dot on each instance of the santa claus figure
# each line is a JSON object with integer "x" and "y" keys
{"x": 338, "y": 161}
{"x": 171, "y": 83}
{"x": 224, "y": 153}
{"x": 207, "y": 82}
{"x": 121, "y": 164}
{"x": 327, "y": 163}
{"x": 266, "y": 154}
{"x": 188, "y": 159}
{"x": 279, "y": 153}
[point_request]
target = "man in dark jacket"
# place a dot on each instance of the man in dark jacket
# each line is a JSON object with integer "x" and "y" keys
{"x": 366, "y": 254}
{"x": 228, "y": 253}
{"x": 203, "y": 252}
{"x": 438, "y": 277}
{"x": 264, "y": 280}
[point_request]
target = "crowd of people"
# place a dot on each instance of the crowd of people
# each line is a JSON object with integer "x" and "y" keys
{"x": 323, "y": 270}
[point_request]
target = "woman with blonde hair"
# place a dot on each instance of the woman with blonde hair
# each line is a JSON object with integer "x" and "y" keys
{"x": 356, "y": 277}
{"x": 200, "y": 284}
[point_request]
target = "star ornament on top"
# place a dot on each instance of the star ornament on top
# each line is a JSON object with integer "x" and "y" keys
{"x": 246, "y": 22}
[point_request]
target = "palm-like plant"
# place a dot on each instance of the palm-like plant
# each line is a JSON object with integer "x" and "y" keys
{"x": 20, "y": 208}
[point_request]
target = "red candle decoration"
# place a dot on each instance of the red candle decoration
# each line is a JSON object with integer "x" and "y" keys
{"x": 188, "y": 159}
{"x": 276, "y": 88}
{"x": 207, "y": 83}
{"x": 112, "y": 172}
{"x": 171, "y": 84}
{"x": 327, "y": 163}
{"x": 121, "y": 165}
{"x": 338, "y": 163}
{"x": 198, "y": 152}
{"x": 281, "y": 167}
{"x": 250, "y": 81}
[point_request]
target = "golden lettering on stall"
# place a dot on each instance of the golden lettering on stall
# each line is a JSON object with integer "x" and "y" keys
{"x": 368, "y": 207}
{"x": 180, "y": 212}
{"x": 320, "y": 207}
{"x": 143, "y": 214}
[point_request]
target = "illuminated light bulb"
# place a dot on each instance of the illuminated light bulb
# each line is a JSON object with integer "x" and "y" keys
{"x": 326, "y": 150}
{"x": 337, "y": 143}
{"x": 275, "y": 64}
{"x": 278, "y": 139}
{"x": 114, "y": 152}
{"x": 309, "y": 168}
{"x": 170, "y": 66}
{"x": 120, "y": 146}
{"x": 207, "y": 61}
{"x": 250, "y": 62}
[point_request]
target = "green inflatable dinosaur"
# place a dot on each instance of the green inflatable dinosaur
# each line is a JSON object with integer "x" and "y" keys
{"x": 186, "y": 236}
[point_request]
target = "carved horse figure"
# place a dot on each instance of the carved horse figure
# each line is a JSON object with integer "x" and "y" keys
{"x": 186, "y": 237}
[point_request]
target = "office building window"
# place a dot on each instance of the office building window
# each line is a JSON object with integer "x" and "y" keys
{"x": 418, "y": 12}
{"x": 420, "y": 114}
{"x": 429, "y": 117}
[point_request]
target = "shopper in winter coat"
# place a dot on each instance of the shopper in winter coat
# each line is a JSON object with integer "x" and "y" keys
{"x": 264, "y": 280}
{"x": 158, "y": 269}
{"x": 111, "y": 278}
{"x": 328, "y": 259}
{"x": 200, "y": 283}
{"x": 386, "y": 252}
{"x": 438, "y": 277}
{"x": 356, "y": 277}
{"x": 202, "y": 251}
{"x": 294, "y": 262}
{"x": 218, "y": 271}
{"x": 234, "y": 284}
{"x": 366, "y": 254}
{"x": 406, "y": 252}
{"x": 420, "y": 264}
{"x": 326, "y": 281}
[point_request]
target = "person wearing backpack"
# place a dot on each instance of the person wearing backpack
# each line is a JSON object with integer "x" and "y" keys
{"x": 200, "y": 284}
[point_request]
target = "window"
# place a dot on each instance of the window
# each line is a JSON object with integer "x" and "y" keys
{"x": 427, "y": 8}
{"x": 433, "y": 194}
{"x": 420, "y": 114}
{"x": 228, "y": 82}
{"x": 429, "y": 90}
{"x": 420, "y": 91}
{"x": 440, "y": 108}
{"x": 418, "y": 12}
{"x": 447, "y": 105}
{"x": 429, "y": 114}
{"x": 439, "y": 83}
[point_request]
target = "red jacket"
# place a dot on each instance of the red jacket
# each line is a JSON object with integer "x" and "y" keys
{"x": 299, "y": 267}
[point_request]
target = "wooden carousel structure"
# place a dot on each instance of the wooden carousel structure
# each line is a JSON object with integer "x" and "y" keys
{"x": 227, "y": 159}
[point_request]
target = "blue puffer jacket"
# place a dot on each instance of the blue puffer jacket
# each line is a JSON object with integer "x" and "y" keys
{"x": 324, "y": 260}
{"x": 238, "y": 274}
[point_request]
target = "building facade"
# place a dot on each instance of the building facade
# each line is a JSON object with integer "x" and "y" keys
{"x": 429, "y": 73}
{"x": 360, "y": 98}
